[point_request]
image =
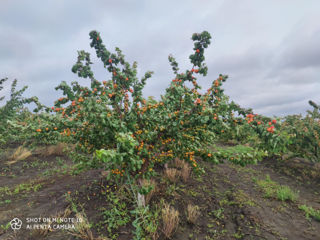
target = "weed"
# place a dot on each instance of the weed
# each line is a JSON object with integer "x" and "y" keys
{"x": 149, "y": 184}
{"x": 82, "y": 228}
{"x": 145, "y": 223}
{"x": 170, "y": 218}
{"x": 23, "y": 187}
{"x": 179, "y": 163}
{"x": 193, "y": 193}
{"x": 309, "y": 211}
{"x": 21, "y": 153}
{"x": 218, "y": 213}
{"x": 4, "y": 228}
{"x": 7, "y": 201}
{"x": 115, "y": 216}
{"x": 273, "y": 189}
{"x": 171, "y": 189}
{"x": 193, "y": 213}
{"x": 285, "y": 193}
{"x": 185, "y": 171}
{"x": 59, "y": 161}
{"x": 171, "y": 174}
{"x": 238, "y": 235}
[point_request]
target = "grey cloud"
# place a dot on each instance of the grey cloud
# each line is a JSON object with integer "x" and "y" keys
{"x": 303, "y": 52}
{"x": 265, "y": 61}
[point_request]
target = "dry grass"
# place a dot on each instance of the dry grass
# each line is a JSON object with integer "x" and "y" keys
{"x": 147, "y": 183}
{"x": 193, "y": 212}
{"x": 170, "y": 218}
{"x": 19, "y": 154}
{"x": 82, "y": 229}
{"x": 185, "y": 172}
{"x": 179, "y": 163}
{"x": 42, "y": 233}
{"x": 57, "y": 150}
{"x": 172, "y": 174}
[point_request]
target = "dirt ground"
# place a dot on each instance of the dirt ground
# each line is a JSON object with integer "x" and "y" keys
{"x": 232, "y": 204}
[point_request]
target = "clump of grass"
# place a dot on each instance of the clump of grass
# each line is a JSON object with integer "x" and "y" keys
{"x": 284, "y": 193}
{"x": 42, "y": 233}
{"x": 19, "y": 154}
{"x": 170, "y": 218}
{"x": 185, "y": 171}
{"x": 171, "y": 174}
{"x": 82, "y": 229}
{"x": 58, "y": 150}
{"x": 274, "y": 190}
{"x": 179, "y": 163}
{"x": 193, "y": 212}
{"x": 309, "y": 211}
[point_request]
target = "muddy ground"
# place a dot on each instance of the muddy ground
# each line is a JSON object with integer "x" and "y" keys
{"x": 232, "y": 203}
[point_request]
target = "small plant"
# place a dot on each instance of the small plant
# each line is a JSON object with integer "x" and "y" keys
{"x": 219, "y": 213}
{"x": 309, "y": 211}
{"x": 170, "y": 218}
{"x": 4, "y": 228}
{"x": 193, "y": 213}
{"x": 7, "y": 201}
{"x": 171, "y": 174}
{"x": 115, "y": 216}
{"x": 284, "y": 193}
{"x": 145, "y": 223}
{"x": 149, "y": 184}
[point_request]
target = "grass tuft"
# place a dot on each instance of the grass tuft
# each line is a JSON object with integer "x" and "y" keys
{"x": 170, "y": 218}
{"x": 193, "y": 212}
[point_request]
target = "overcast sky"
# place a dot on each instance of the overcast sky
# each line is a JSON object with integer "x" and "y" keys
{"x": 270, "y": 49}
